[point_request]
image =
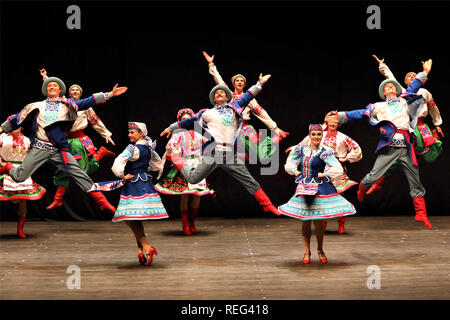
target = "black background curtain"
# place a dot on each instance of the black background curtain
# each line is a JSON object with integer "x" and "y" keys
{"x": 319, "y": 55}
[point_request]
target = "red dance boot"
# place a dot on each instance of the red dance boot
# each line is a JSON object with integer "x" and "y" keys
{"x": 265, "y": 202}
{"x": 378, "y": 185}
{"x": 325, "y": 222}
{"x": 20, "y": 224}
{"x": 185, "y": 221}
{"x": 361, "y": 192}
{"x": 57, "y": 202}
{"x": 421, "y": 212}
{"x": 102, "y": 202}
{"x": 192, "y": 215}
{"x": 177, "y": 160}
{"x": 102, "y": 153}
{"x": 341, "y": 222}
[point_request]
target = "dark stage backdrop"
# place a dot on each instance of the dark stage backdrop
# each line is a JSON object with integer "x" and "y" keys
{"x": 319, "y": 55}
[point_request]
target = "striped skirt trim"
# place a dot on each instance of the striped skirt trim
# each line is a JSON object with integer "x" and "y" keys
{"x": 36, "y": 193}
{"x": 321, "y": 207}
{"x": 145, "y": 207}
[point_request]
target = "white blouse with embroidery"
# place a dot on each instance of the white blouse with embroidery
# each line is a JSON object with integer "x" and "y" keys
{"x": 89, "y": 117}
{"x": 131, "y": 153}
{"x": 344, "y": 146}
{"x": 429, "y": 106}
{"x": 335, "y": 169}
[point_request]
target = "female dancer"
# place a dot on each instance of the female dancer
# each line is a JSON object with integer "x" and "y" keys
{"x": 138, "y": 199}
{"x": 190, "y": 143}
{"x": 13, "y": 148}
{"x": 346, "y": 150}
{"x": 83, "y": 149}
{"x": 315, "y": 198}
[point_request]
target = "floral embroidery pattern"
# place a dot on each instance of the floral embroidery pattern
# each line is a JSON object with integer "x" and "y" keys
{"x": 51, "y": 111}
{"x": 226, "y": 116}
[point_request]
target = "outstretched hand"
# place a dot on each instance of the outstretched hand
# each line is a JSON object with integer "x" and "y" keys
{"x": 208, "y": 58}
{"x": 264, "y": 79}
{"x": 117, "y": 91}
{"x": 108, "y": 139}
{"x": 378, "y": 60}
{"x": 43, "y": 73}
{"x": 427, "y": 66}
{"x": 167, "y": 132}
{"x": 281, "y": 133}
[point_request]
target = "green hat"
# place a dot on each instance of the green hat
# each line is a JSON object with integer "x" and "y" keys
{"x": 58, "y": 81}
{"x": 224, "y": 88}
{"x": 385, "y": 82}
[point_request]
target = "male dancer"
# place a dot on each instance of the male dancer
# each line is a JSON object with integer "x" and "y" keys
{"x": 224, "y": 123}
{"x": 397, "y": 118}
{"x": 51, "y": 120}
{"x": 428, "y": 107}
{"x": 239, "y": 82}
{"x": 81, "y": 145}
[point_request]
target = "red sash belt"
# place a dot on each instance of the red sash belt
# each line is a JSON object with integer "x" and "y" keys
{"x": 410, "y": 145}
{"x": 76, "y": 134}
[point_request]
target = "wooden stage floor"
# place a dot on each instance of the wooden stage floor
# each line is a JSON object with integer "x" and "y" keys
{"x": 228, "y": 259}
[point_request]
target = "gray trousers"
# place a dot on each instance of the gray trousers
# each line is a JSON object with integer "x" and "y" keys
{"x": 37, "y": 157}
{"x": 208, "y": 164}
{"x": 386, "y": 157}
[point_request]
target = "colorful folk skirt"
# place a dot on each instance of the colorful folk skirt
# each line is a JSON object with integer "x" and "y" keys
{"x": 175, "y": 184}
{"x": 343, "y": 184}
{"x": 317, "y": 207}
{"x": 139, "y": 201}
{"x": 27, "y": 190}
